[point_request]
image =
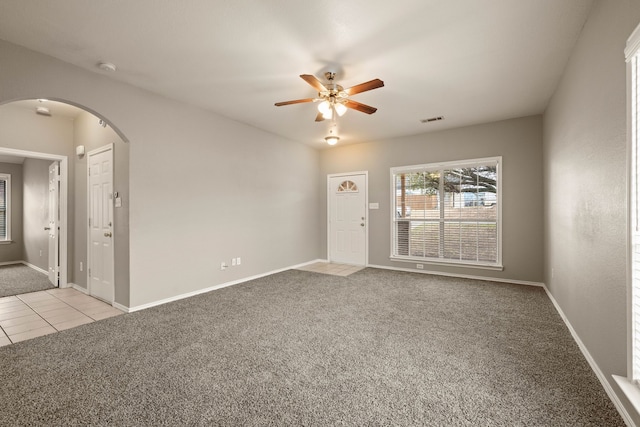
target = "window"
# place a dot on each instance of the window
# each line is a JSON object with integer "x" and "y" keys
{"x": 447, "y": 213}
{"x": 629, "y": 384}
{"x": 5, "y": 203}
{"x": 348, "y": 187}
{"x": 634, "y": 228}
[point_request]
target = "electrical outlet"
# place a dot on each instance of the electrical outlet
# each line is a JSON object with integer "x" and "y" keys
{"x": 223, "y": 265}
{"x": 419, "y": 266}
{"x": 40, "y": 252}
{"x": 238, "y": 261}
{"x": 233, "y": 261}
{"x": 81, "y": 266}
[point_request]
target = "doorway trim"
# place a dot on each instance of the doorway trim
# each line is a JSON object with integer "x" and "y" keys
{"x": 64, "y": 179}
{"x": 366, "y": 207}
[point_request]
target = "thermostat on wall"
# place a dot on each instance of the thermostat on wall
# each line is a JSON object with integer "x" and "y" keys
{"x": 80, "y": 150}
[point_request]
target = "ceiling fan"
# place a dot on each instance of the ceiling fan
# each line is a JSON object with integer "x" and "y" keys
{"x": 333, "y": 98}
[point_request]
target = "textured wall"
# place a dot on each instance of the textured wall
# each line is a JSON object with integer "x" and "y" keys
{"x": 518, "y": 141}
{"x": 585, "y": 175}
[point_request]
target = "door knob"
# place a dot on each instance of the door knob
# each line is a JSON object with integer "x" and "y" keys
{"x": 47, "y": 228}
{"x": 362, "y": 224}
{"x": 107, "y": 234}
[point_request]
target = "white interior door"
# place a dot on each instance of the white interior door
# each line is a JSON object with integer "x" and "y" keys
{"x": 100, "y": 186}
{"x": 347, "y": 198}
{"x": 54, "y": 223}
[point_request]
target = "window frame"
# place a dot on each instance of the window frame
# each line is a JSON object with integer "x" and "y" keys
{"x": 7, "y": 178}
{"x": 440, "y": 166}
{"x": 630, "y": 385}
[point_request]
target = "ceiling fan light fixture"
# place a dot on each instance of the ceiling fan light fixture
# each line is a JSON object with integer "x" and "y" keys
{"x": 324, "y": 106}
{"x": 340, "y": 109}
{"x": 332, "y": 140}
{"x": 43, "y": 111}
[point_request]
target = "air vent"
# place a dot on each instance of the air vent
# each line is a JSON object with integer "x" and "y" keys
{"x": 432, "y": 119}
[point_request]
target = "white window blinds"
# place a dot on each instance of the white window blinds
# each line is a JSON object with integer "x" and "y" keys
{"x": 447, "y": 212}
{"x": 3, "y": 209}
{"x": 5, "y": 206}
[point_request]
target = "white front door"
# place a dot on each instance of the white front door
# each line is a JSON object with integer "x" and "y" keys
{"x": 54, "y": 223}
{"x": 347, "y": 198}
{"x": 100, "y": 186}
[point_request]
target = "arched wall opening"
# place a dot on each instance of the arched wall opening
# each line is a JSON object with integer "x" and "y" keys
{"x": 29, "y": 135}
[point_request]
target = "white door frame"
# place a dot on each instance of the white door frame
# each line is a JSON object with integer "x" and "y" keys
{"x": 64, "y": 178}
{"x": 54, "y": 224}
{"x": 113, "y": 266}
{"x": 366, "y": 207}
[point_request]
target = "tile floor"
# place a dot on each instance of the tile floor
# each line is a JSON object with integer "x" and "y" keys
{"x": 31, "y": 315}
{"x": 332, "y": 268}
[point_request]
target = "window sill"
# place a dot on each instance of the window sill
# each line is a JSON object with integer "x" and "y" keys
{"x": 448, "y": 263}
{"x": 631, "y": 390}
{"x": 6, "y": 242}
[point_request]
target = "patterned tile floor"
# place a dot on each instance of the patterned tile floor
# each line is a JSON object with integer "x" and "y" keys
{"x": 332, "y": 268}
{"x": 31, "y": 315}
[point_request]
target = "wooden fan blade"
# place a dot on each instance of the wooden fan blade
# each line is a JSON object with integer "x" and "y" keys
{"x": 319, "y": 117}
{"x": 363, "y": 87}
{"x": 360, "y": 107}
{"x": 313, "y": 81}
{"x": 295, "y": 101}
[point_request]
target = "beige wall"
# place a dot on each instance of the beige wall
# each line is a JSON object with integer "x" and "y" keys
{"x": 195, "y": 179}
{"x": 585, "y": 175}
{"x": 518, "y": 141}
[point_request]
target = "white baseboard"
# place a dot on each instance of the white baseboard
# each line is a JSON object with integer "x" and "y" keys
{"x": 79, "y": 288}
{"x": 461, "y": 276}
{"x": 86, "y": 292}
{"x": 594, "y": 366}
{"x": 35, "y": 267}
{"x": 209, "y": 289}
{"x": 121, "y": 307}
{"x": 304, "y": 264}
{"x": 10, "y": 262}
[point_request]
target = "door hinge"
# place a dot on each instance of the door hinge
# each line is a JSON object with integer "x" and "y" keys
{"x": 89, "y": 270}
{"x": 89, "y": 222}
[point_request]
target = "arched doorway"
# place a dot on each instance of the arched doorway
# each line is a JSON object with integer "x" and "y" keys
{"x": 66, "y": 133}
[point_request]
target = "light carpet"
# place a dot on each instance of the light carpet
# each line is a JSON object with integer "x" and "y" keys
{"x": 16, "y": 279}
{"x": 301, "y": 348}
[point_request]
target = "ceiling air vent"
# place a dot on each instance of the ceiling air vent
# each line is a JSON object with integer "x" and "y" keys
{"x": 432, "y": 119}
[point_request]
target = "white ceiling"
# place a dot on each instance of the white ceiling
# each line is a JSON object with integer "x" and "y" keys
{"x": 471, "y": 61}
